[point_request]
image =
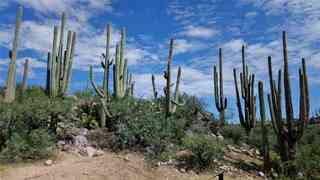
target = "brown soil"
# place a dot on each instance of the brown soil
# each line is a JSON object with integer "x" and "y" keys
{"x": 110, "y": 166}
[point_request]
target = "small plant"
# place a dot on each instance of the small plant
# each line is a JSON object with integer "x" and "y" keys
{"x": 205, "y": 150}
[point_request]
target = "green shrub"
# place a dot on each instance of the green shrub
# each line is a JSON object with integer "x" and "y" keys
{"x": 308, "y": 160}
{"x": 205, "y": 150}
{"x": 35, "y": 145}
{"x": 234, "y": 133}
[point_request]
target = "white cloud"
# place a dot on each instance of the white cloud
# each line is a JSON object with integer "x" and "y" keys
{"x": 184, "y": 46}
{"x": 199, "y": 32}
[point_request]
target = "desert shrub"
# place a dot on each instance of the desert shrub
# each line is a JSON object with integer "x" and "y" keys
{"x": 87, "y": 113}
{"x": 30, "y": 121}
{"x": 37, "y": 144}
{"x": 233, "y": 133}
{"x": 308, "y": 160}
{"x": 205, "y": 150}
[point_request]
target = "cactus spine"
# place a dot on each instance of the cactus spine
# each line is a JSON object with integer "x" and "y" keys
{"x": 220, "y": 100}
{"x": 25, "y": 76}
{"x": 265, "y": 140}
{"x": 60, "y": 61}
{"x": 288, "y": 133}
{"x": 248, "y": 117}
{"x": 10, "y": 91}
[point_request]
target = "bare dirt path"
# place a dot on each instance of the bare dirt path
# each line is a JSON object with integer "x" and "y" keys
{"x": 110, "y": 166}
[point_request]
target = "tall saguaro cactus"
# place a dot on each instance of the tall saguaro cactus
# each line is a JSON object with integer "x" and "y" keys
{"x": 220, "y": 100}
{"x": 291, "y": 131}
{"x": 60, "y": 61}
{"x": 265, "y": 140}
{"x": 171, "y": 103}
{"x": 107, "y": 63}
{"x": 10, "y": 91}
{"x": 248, "y": 116}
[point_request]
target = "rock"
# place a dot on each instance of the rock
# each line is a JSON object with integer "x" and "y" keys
{"x": 48, "y": 162}
{"x": 99, "y": 153}
{"x": 88, "y": 151}
{"x": 257, "y": 152}
{"x": 220, "y": 137}
{"x": 83, "y": 131}
{"x": 184, "y": 154}
{"x": 261, "y": 174}
{"x": 81, "y": 141}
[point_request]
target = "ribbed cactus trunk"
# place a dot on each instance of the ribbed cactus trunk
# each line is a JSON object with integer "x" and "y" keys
{"x": 60, "y": 60}
{"x": 167, "y": 76}
{"x": 10, "y": 91}
{"x": 107, "y": 63}
{"x": 25, "y": 76}
{"x": 288, "y": 133}
{"x": 220, "y": 100}
{"x": 264, "y": 129}
{"x": 248, "y": 116}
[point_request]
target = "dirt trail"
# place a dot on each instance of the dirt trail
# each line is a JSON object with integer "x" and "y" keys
{"x": 110, "y": 166}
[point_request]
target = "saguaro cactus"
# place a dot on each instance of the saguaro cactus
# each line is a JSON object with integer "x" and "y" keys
{"x": 60, "y": 61}
{"x": 104, "y": 111}
{"x": 220, "y": 100}
{"x": 10, "y": 91}
{"x": 25, "y": 76}
{"x": 107, "y": 63}
{"x": 171, "y": 103}
{"x": 288, "y": 133}
{"x": 120, "y": 69}
{"x": 248, "y": 117}
{"x": 264, "y": 140}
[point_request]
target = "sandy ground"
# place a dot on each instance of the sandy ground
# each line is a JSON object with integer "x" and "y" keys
{"x": 110, "y": 166}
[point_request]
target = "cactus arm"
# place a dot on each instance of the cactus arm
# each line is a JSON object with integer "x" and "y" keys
{"x": 241, "y": 117}
{"x": 106, "y": 62}
{"x": 95, "y": 87}
{"x": 176, "y": 92}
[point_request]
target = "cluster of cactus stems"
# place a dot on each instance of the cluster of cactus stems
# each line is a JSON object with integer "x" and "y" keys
{"x": 220, "y": 100}
{"x": 264, "y": 129}
{"x": 121, "y": 79}
{"x": 10, "y": 91}
{"x": 25, "y": 76}
{"x": 291, "y": 131}
{"x": 248, "y": 116}
{"x": 60, "y": 61}
{"x": 171, "y": 103}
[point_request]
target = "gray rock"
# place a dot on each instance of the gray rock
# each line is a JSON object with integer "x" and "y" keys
{"x": 81, "y": 141}
{"x": 83, "y": 131}
{"x": 88, "y": 151}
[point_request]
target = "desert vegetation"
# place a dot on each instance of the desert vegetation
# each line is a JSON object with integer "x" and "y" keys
{"x": 174, "y": 127}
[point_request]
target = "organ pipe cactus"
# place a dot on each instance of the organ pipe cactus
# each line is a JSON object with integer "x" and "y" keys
{"x": 10, "y": 91}
{"x": 265, "y": 140}
{"x": 60, "y": 61}
{"x": 248, "y": 116}
{"x": 25, "y": 76}
{"x": 171, "y": 103}
{"x": 291, "y": 131}
{"x": 220, "y": 100}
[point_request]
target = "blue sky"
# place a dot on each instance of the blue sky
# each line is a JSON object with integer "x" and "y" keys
{"x": 200, "y": 27}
